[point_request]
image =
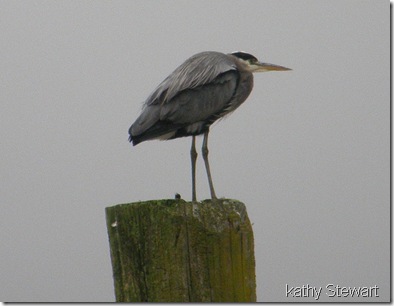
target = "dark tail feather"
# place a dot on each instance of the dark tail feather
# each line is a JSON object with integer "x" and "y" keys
{"x": 134, "y": 140}
{"x": 159, "y": 129}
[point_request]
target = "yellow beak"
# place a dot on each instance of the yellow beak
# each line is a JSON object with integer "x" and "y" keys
{"x": 263, "y": 67}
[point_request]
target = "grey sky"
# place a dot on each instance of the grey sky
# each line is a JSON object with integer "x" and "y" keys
{"x": 308, "y": 152}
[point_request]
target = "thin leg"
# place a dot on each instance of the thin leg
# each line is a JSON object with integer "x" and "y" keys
{"x": 205, "y": 157}
{"x": 193, "y": 155}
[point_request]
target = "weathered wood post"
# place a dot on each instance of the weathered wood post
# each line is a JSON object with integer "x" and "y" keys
{"x": 177, "y": 251}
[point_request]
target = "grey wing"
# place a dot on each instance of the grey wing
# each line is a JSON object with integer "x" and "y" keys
{"x": 188, "y": 113}
{"x": 196, "y": 71}
{"x": 203, "y": 103}
{"x": 197, "y": 90}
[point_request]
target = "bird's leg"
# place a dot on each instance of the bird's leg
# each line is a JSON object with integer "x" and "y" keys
{"x": 205, "y": 151}
{"x": 193, "y": 155}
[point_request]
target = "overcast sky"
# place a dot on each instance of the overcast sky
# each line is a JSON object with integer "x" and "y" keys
{"x": 308, "y": 152}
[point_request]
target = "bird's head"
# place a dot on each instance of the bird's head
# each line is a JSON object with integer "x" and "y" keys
{"x": 254, "y": 65}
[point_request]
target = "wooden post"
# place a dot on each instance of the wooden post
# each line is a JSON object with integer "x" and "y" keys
{"x": 177, "y": 251}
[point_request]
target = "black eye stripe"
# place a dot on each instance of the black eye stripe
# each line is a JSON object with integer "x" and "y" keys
{"x": 244, "y": 56}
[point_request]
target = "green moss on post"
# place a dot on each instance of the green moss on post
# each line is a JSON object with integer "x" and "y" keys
{"x": 177, "y": 251}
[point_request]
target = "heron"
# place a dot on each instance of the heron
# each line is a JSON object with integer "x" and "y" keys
{"x": 206, "y": 87}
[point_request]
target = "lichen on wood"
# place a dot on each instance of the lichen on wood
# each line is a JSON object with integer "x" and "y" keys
{"x": 177, "y": 251}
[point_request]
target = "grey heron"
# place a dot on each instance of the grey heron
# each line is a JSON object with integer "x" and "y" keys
{"x": 205, "y": 88}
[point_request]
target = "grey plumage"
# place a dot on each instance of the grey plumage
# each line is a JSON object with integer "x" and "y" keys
{"x": 190, "y": 99}
{"x": 206, "y": 87}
